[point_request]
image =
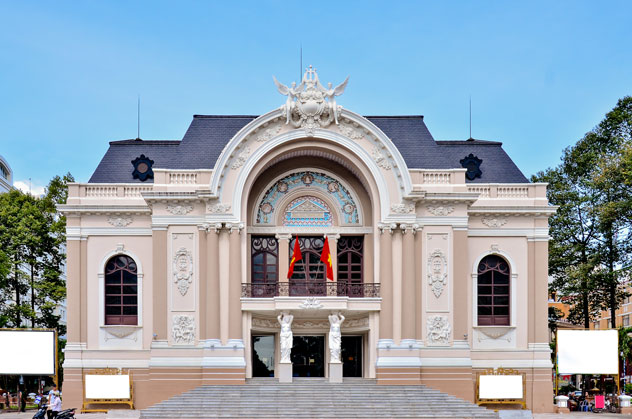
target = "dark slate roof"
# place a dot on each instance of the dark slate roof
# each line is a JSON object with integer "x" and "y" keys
{"x": 208, "y": 135}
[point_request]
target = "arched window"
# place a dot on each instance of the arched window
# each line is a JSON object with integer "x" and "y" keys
{"x": 309, "y": 273}
{"x": 350, "y": 266}
{"x": 493, "y": 291}
{"x": 264, "y": 265}
{"x": 121, "y": 291}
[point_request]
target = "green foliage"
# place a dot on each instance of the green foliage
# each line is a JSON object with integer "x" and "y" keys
{"x": 591, "y": 246}
{"x": 32, "y": 239}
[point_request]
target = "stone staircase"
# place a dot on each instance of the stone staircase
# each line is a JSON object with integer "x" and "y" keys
{"x": 315, "y": 398}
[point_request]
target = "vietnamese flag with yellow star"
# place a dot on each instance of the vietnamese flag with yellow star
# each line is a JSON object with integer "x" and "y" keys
{"x": 325, "y": 257}
{"x": 296, "y": 255}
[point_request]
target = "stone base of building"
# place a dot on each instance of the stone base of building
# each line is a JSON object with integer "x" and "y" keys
{"x": 154, "y": 385}
{"x": 461, "y": 382}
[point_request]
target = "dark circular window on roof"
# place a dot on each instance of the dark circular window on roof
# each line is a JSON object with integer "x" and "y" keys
{"x": 473, "y": 166}
{"x": 142, "y": 168}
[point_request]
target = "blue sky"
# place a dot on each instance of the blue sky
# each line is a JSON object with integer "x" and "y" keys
{"x": 540, "y": 74}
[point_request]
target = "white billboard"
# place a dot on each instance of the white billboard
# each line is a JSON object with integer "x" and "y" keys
{"x": 27, "y": 352}
{"x": 107, "y": 386}
{"x": 588, "y": 351}
{"x": 500, "y": 387}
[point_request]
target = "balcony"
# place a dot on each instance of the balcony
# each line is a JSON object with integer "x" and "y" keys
{"x": 310, "y": 289}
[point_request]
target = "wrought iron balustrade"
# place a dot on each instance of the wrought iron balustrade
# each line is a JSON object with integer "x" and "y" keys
{"x": 310, "y": 289}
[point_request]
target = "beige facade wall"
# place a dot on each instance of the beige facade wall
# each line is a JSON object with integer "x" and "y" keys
{"x": 424, "y": 234}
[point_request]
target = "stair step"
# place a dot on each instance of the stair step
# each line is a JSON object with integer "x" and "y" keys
{"x": 315, "y": 398}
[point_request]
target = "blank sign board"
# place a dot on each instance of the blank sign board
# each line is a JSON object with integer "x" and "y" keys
{"x": 588, "y": 351}
{"x": 107, "y": 386}
{"x": 27, "y": 352}
{"x": 500, "y": 387}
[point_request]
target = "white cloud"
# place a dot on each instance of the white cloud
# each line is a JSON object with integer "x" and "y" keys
{"x": 23, "y": 185}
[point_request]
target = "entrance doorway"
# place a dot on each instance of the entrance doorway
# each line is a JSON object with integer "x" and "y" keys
{"x": 308, "y": 356}
{"x": 263, "y": 356}
{"x": 351, "y": 356}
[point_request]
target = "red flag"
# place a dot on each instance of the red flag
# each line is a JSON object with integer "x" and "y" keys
{"x": 296, "y": 255}
{"x": 325, "y": 257}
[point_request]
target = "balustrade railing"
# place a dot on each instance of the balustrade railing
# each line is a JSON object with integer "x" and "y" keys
{"x": 310, "y": 289}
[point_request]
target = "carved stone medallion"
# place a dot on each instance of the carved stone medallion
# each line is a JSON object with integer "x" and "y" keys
{"x": 494, "y": 222}
{"x": 120, "y": 221}
{"x": 183, "y": 331}
{"x": 241, "y": 158}
{"x": 218, "y": 208}
{"x": 179, "y": 209}
{"x": 437, "y": 272}
{"x": 438, "y": 330}
{"x": 311, "y": 303}
{"x": 403, "y": 208}
{"x": 183, "y": 270}
{"x": 269, "y": 133}
{"x": 440, "y": 211}
{"x": 380, "y": 159}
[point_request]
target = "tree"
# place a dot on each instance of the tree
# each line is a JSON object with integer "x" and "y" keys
{"x": 32, "y": 236}
{"x": 590, "y": 249}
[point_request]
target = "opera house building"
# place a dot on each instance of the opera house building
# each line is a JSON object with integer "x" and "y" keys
{"x": 307, "y": 242}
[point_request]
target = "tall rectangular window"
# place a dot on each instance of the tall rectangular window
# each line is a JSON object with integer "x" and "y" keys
{"x": 264, "y": 266}
{"x": 350, "y": 265}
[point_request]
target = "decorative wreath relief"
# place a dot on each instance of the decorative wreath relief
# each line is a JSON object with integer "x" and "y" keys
{"x": 183, "y": 329}
{"x": 183, "y": 270}
{"x": 437, "y": 272}
{"x": 438, "y": 330}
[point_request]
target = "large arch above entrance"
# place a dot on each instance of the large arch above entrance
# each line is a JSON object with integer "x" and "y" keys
{"x": 375, "y": 155}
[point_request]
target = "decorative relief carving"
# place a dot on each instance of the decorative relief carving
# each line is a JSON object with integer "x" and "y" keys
{"x": 438, "y": 330}
{"x": 268, "y": 133}
{"x": 310, "y": 105}
{"x": 495, "y": 333}
{"x": 183, "y": 270}
{"x": 265, "y": 323}
{"x": 403, "y": 208}
{"x": 120, "y": 332}
{"x": 440, "y": 211}
{"x": 311, "y": 303}
{"x": 349, "y": 131}
{"x": 218, "y": 208}
{"x": 241, "y": 158}
{"x": 183, "y": 330}
{"x": 179, "y": 209}
{"x": 312, "y": 324}
{"x": 380, "y": 159}
{"x": 120, "y": 221}
{"x": 361, "y": 322}
{"x": 309, "y": 324}
{"x": 494, "y": 222}
{"x": 437, "y": 272}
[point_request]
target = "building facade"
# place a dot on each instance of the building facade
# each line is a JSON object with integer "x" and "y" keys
{"x": 6, "y": 176}
{"x": 178, "y": 254}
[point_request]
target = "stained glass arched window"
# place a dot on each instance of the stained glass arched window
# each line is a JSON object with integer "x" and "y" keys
{"x": 493, "y": 292}
{"x": 121, "y": 291}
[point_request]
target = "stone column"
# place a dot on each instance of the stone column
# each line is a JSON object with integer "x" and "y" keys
{"x": 159, "y": 281}
{"x": 212, "y": 320}
{"x": 396, "y": 269}
{"x": 283, "y": 258}
{"x": 460, "y": 280}
{"x": 73, "y": 284}
{"x": 386, "y": 282}
{"x": 419, "y": 282}
{"x": 84, "y": 290}
{"x": 202, "y": 269}
{"x": 541, "y": 290}
{"x": 224, "y": 282}
{"x": 408, "y": 322}
{"x": 234, "y": 287}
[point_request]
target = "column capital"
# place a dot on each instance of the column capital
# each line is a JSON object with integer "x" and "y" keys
{"x": 387, "y": 227}
{"x": 333, "y": 236}
{"x": 283, "y": 236}
{"x": 231, "y": 227}
{"x": 409, "y": 227}
{"x": 208, "y": 227}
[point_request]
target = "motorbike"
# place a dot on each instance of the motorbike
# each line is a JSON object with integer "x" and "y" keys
{"x": 41, "y": 413}
{"x": 67, "y": 414}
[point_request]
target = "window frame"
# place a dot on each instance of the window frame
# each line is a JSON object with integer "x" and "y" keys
{"x": 495, "y": 274}
{"x": 120, "y": 250}
{"x": 513, "y": 288}
{"x": 118, "y": 274}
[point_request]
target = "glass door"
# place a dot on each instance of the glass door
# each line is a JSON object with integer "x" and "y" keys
{"x": 263, "y": 356}
{"x": 351, "y": 354}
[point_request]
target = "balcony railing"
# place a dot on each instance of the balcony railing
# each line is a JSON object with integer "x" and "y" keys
{"x": 310, "y": 289}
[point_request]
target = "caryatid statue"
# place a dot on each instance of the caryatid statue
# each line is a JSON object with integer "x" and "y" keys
{"x": 287, "y": 338}
{"x": 335, "y": 337}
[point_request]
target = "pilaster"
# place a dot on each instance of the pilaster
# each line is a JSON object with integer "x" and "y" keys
{"x": 386, "y": 282}
{"x": 408, "y": 321}
{"x": 212, "y": 300}
{"x": 234, "y": 287}
{"x": 159, "y": 282}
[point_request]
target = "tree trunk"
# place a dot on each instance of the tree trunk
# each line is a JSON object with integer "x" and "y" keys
{"x": 586, "y": 311}
{"x": 18, "y": 320}
{"x": 32, "y": 295}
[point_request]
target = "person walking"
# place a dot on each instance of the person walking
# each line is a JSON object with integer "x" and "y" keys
{"x": 56, "y": 406}
{"x": 22, "y": 400}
